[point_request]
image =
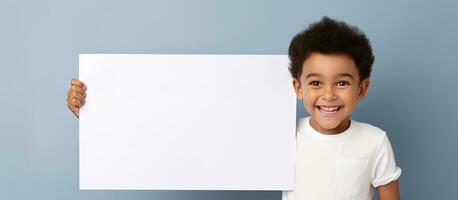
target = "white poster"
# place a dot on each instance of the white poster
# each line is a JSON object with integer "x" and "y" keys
{"x": 187, "y": 122}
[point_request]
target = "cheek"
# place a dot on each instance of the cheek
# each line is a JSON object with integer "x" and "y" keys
{"x": 310, "y": 97}
{"x": 350, "y": 98}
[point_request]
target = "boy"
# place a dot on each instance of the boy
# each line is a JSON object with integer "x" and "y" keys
{"x": 337, "y": 158}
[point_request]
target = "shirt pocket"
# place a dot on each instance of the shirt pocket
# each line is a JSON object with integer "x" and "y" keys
{"x": 351, "y": 180}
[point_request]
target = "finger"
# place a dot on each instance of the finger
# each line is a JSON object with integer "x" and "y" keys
{"x": 77, "y": 86}
{"x": 76, "y": 102}
{"x": 78, "y": 89}
{"x": 81, "y": 98}
{"x": 73, "y": 108}
{"x": 77, "y": 95}
{"x": 71, "y": 90}
{"x": 72, "y": 102}
{"x": 78, "y": 83}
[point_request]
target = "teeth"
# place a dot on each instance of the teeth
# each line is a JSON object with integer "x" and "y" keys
{"x": 329, "y": 109}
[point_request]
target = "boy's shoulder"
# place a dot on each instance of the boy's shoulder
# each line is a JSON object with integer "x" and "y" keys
{"x": 366, "y": 139}
{"x": 368, "y": 131}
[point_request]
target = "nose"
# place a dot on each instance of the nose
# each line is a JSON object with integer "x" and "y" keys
{"x": 329, "y": 94}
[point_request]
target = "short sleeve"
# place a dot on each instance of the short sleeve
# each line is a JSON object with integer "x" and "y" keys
{"x": 384, "y": 168}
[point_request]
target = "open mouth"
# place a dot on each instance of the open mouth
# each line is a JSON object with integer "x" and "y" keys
{"x": 329, "y": 109}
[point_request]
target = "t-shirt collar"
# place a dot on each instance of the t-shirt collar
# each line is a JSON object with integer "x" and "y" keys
{"x": 310, "y": 131}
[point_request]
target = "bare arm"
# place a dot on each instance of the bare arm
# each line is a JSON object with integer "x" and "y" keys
{"x": 389, "y": 191}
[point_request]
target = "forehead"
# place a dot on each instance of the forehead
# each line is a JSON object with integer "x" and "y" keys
{"x": 329, "y": 65}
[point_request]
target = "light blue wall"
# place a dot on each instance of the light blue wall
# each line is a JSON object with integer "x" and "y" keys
{"x": 413, "y": 95}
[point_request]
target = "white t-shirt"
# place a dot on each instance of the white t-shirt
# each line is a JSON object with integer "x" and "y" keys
{"x": 345, "y": 166}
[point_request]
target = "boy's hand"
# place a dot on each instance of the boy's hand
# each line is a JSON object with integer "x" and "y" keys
{"x": 76, "y": 96}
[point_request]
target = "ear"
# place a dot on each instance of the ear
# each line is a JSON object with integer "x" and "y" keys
{"x": 363, "y": 87}
{"x": 297, "y": 88}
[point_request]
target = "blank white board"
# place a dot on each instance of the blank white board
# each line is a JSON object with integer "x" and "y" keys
{"x": 187, "y": 122}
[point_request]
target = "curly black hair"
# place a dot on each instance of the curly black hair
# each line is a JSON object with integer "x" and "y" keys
{"x": 329, "y": 36}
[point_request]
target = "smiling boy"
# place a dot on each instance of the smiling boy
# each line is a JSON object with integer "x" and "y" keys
{"x": 337, "y": 158}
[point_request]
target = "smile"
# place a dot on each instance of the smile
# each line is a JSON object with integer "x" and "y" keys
{"x": 329, "y": 109}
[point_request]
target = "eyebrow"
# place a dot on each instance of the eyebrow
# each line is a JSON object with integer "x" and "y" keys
{"x": 338, "y": 75}
{"x": 345, "y": 74}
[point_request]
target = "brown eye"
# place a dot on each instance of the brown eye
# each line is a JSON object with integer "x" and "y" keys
{"x": 314, "y": 83}
{"x": 342, "y": 83}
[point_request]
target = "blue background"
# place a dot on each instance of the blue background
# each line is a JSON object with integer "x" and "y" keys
{"x": 413, "y": 94}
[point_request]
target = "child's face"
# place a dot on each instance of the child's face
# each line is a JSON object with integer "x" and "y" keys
{"x": 330, "y": 89}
